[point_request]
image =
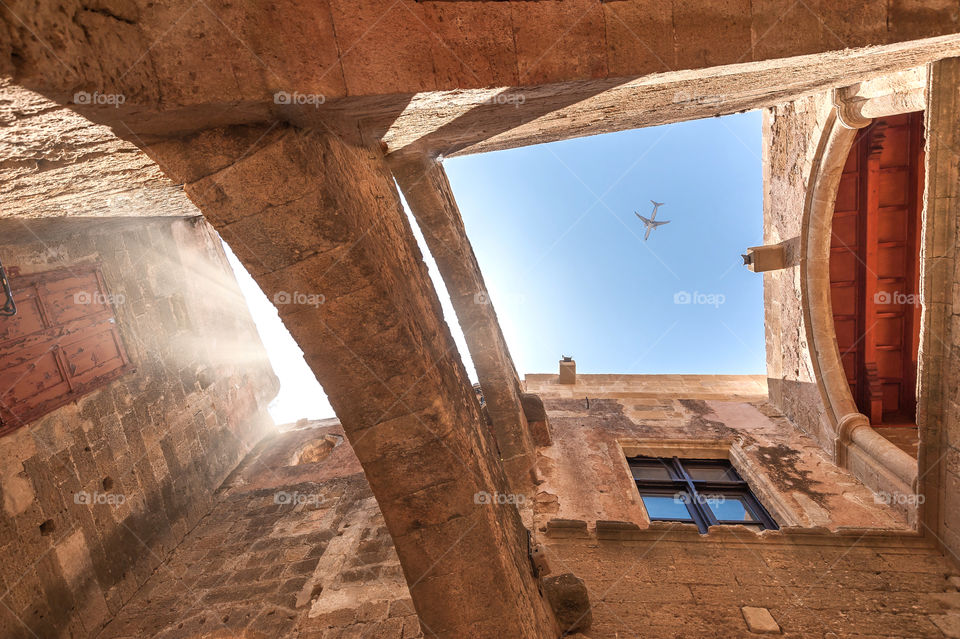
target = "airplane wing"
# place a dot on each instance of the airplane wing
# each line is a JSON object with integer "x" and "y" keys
{"x": 649, "y": 228}
{"x": 655, "y": 203}
{"x": 645, "y": 220}
{"x": 661, "y": 223}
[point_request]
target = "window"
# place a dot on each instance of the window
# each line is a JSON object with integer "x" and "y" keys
{"x": 704, "y": 492}
{"x": 62, "y": 344}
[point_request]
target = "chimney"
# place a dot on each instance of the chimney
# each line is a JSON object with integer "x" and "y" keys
{"x": 568, "y": 370}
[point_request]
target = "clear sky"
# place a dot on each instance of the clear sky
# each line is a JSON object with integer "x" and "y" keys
{"x": 563, "y": 254}
{"x": 569, "y": 273}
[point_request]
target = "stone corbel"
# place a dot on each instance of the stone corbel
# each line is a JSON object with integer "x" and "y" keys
{"x": 845, "y": 428}
{"x": 855, "y": 435}
{"x": 850, "y": 107}
{"x": 772, "y": 257}
{"x": 859, "y": 104}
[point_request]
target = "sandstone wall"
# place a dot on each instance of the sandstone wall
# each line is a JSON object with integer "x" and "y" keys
{"x": 159, "y": 439}
{"x": 791, "y": 133}
{"x": 586, "y": 476}
{"x": 847, "y": 566}
{"x": 224, "y": 53}
{"x": 834, "y": 587}
{"x": 294, "y": 547}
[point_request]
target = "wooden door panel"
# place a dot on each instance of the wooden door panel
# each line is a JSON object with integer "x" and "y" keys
{"x": 29, "y": 318}
{"x": 844, "y": 232}
{"x": 892, "y": 224}
{"x": 889, "y": 364}
{"x": 94, "y": 355}
{"x": 894, "y": 185}
{"x": 891, "y": 396}
{"x": 875, "y": 280}
{"x": 896, "y": 146}
{"x": 891, "y": 262}
{"x": 34, "y": 381}
{"x": 843, "y": 265}
{"x": 844, "y": 300}
{"x": 73, "y": 298}
{"x": 888, "y": 331}
{"x": 63, "y": 343}
{"x": 847, "y": 196}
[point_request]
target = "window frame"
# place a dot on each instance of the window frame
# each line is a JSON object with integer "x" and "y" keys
{"x": 697, "y": 491}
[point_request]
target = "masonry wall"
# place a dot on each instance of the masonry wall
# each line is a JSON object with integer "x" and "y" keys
{"x": 843, "y": 564}
{"x": 242, "y": 54}
{"x": 294, "y": 547}
{"x": 585, "y": 474}
{"x": 155, "y": 443}
{"x": 791, "y": 133}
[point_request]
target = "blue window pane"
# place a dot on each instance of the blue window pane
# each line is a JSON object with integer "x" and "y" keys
{"x": 666, "y": 507}
{"x": 728, "y": 508}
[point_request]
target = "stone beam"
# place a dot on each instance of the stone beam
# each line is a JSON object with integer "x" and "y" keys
{"x": 179, "y": 63}
{"x": 938, "y": 415}
{"x": 476, "y": 121}
{"x": 428, "y": 193}
{"x": 320, "y": 226}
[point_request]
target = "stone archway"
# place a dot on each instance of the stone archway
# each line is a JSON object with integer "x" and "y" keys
{"x": 858, "y": 447}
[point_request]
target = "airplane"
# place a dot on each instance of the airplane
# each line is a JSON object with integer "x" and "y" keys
{"x": 651, "y": 223}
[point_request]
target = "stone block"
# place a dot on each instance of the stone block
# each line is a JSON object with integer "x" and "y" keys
{"x": 760, "y": 621}
{"x": 568, "y": 597}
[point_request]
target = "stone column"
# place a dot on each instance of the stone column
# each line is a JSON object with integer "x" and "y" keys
{"x": 319, "y": 225}
{"x": 937, "y": 413}
{"x": 431, "y": 200}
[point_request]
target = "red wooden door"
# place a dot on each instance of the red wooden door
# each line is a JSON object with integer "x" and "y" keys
{"x": 62, "y": 343}
{"x": 874, "y": 267}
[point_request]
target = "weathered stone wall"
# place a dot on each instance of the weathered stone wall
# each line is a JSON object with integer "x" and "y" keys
{"x": 791, "y": 133}
{"x": 846, "y": 567}
{"x": 159, "y": 439}
{"x": 938, "y": 411}
{"x": 835, "y": 587}
{"x": 55, "y": 162}
{"x": 585, "y": 472}
{"x": 310, "y": 214}
{"x": 206, "y": 57}
{"x": 294, "y": 547}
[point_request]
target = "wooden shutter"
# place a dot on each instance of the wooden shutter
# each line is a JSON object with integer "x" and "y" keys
{"x": 62, "y": 343}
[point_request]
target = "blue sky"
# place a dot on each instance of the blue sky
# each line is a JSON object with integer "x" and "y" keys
{"x": 563, "y": 255}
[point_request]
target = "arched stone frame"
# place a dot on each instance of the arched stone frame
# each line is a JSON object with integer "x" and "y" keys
{"x": 858, "y": 447}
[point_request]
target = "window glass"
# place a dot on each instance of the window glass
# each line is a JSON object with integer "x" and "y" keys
{"x": 729, "y": 508}
{"x": 701, "y": 491}
{"x": 666, "y": 507}
{"x": 649, "y": 470}
{"x": 711, "y": 472}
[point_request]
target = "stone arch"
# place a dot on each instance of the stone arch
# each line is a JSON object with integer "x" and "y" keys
{"x": 858, "y": 447}
{"x": 831, "y": 155}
